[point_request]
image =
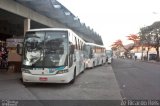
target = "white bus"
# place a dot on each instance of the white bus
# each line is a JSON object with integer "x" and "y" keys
{"x": 109, "y": 54}
{"x": 94, "y": 54}
{"x": 51, "y": 55}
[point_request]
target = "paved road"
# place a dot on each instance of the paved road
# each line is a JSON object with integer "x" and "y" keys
{"x": 94, "y": 84}
{"x": 137, "y": 80}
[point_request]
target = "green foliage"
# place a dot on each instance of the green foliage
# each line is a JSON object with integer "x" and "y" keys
{"x": 150, "y": 36}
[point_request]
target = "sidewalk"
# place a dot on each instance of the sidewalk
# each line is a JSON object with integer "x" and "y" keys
{"x": 151, "y": 61}
{"x": 8, "y": 75}
{"x": 11, "y": 87}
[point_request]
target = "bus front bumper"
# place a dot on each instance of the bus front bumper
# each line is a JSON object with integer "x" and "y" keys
{"x": 58, "y": 78}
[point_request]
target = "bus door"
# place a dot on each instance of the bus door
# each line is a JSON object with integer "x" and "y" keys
{"x": 77, "y": 61}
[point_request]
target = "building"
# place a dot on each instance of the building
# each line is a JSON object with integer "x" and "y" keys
{"x": 18, "y": 16}
{"x": 138, "y": 51}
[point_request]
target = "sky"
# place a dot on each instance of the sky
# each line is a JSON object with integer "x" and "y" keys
{"x": 115, "y": 19}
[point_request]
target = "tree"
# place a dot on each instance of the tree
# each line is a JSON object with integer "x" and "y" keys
{"x": 136, "y": 40}
{"x": 156, "y": 37}
{"x": 146, "y": 38}
{"x": 119, "y": 44}
{"x": 150, "y": 35}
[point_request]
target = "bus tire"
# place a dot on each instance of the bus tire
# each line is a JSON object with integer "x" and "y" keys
{"x": 83, "y": 68}
{"x": 74, "y": 77}
{"x": 94, "y": 64}
{"x": 102, "y": 62}
{"x": 26, "y": 84}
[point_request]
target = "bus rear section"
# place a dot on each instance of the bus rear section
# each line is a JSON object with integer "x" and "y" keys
{"x": 109, "y": 55}
{"x": 95, "y": 55}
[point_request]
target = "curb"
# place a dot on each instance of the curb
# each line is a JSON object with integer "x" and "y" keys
{"x": 153, "y": 62}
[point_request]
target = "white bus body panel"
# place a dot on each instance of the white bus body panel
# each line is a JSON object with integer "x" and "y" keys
{"x": 97, "y": 59}
{"x": 90, "y": 63}
{"x": 58, "y": 78}
{"x": 51, "y": 78}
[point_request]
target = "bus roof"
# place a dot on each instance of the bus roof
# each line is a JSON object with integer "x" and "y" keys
{"x": 93, "y": 44}
{"x": 51, "y": 29}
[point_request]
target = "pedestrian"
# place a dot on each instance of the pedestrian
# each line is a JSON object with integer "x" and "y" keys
{"x": 4, "y": 56}
{"x": 135, "y": 57}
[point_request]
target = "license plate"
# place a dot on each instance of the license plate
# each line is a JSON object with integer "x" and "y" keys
{"x": 43, "y": 79}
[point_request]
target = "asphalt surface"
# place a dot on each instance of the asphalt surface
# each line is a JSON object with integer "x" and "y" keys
{"x": 137, "y": 80}
{"x": 93, "y": 85}
{"x": 123, "y": 79}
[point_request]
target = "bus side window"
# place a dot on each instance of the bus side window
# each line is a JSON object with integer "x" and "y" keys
{"x": 79, "y": 45}
{"x": 82, "y": 46}
{"x": 73, "y": 41}
{"x": 70, "y": 37}
{"x": 76, "y": 43}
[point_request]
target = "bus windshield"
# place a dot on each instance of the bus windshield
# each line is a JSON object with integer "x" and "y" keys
{"x": 109, "y": 53}
{"x": 45, "y": 49}
{"x": 88, "y": 51}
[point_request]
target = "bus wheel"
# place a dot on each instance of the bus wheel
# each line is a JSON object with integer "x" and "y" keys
{"x": 26, "y": 84}
{"x": 83, "y": 68}
{"x": 74, "y": 77}
{"x": 102, "y": 62}
{"x": 94, "y": 64}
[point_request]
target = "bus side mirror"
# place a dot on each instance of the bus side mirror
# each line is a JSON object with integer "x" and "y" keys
{"x": 72, "y": 49}
{"x": 19, "y": 49}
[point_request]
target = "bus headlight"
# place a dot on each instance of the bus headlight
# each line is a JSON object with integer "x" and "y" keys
{"x": 87, "y": 61}
{"x": 62, "y": 71}
{"x": 26, "y": 71}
